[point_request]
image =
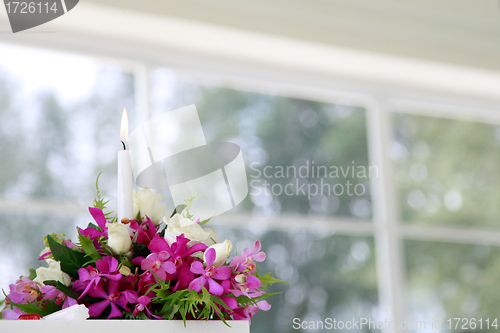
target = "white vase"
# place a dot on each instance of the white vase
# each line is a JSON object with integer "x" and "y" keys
{"x": 123, "y": 326}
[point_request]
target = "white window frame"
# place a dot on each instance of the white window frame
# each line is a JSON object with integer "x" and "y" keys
{"x": 380, "y": 83}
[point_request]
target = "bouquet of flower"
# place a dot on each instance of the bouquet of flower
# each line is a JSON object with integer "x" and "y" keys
{"x": 151, "y": 267}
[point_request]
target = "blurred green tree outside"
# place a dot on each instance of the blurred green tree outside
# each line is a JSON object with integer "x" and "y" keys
{"x": 448, "y": 174}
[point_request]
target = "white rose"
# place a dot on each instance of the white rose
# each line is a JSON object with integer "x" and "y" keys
{"x": 148, "y": 204}
{"x": 53, "y": 272}
{"x": 178, "y": 225}
{"x": 222, "y": 251}
{"x": 119, "y": 238}
{"x": 75, "y": 312}
{"x": 212, "y": 237}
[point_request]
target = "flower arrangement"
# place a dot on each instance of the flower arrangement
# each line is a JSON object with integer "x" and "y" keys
{"x": 151, "y": 267}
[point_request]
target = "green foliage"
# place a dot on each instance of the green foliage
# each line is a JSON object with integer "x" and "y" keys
{"x": 61, "y": 287}
{"x": 178, "y": 209}
{"x": 2, "y": 306}
{"x": 57, "y": 237}
{"x": 268, "y": 280}
{"x": 140, "y": 316}
{"x": 32, "y": 274}
{"x": 140, "y": 250}
{"x": 101, "y": 204}
{"x": 93, "y": 226}
{"x": 42, "y": 308}
{"x": 89, "y": 248}
{"x": 188, "y": 202}
{"x": 188, "y": 304}
{"x": 245, "y": 301}
{"x": 207, "y": 220}
{"x": 71, "y": 260}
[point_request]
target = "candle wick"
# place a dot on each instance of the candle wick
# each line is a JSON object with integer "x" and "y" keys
{"x": 124, "y": 148}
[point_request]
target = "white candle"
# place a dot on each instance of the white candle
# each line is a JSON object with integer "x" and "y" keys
{"x": 125, "y": 178}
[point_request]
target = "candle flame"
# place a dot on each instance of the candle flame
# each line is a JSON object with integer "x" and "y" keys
{"x": 124, "y": 127}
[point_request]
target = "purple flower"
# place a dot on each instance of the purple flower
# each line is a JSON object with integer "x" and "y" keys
{"x": 141, "y": 303}
{"x": 158, "y": 263}
{"x": 243, "y": 284}
{"x": 144, "y": 232}
{"x": 179, "y": 255}
{"x": 209, "y": 274}
{"x": 246, "y": 262}
{"x": 112, "y": 298}
{"x": 27, "y": 289}
{"x": 246, "y": 313}
{"x": 100, "y": 219}
{"x": 50, "y": 292}
{"x": 90, "y": 276}
{"x": 12, "y": 314}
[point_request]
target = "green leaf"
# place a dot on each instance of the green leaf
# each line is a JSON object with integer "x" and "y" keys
{"x": 62, "y": 287}
{"x": 188, "y": 202}
{"x": 32, "y": 275}
{"x": 206, "y": 221}
{"x": 140, "y": 250}
{"x": 88, "y": 247}
{"x": 100, "y": 203}
{"x": 42, "y": 309}
{"x": 93, "y": 226}
{"x": 71, "y": 260}
{"x": 178, "y": 210}
{"x": 268, "y": 280}
{"x": 140, "y": 316}
{"x": 58, "y": 237}
{"x": 2, "y": 306}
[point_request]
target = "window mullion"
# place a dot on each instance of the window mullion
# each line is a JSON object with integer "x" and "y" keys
{"x": 388, "y": 244}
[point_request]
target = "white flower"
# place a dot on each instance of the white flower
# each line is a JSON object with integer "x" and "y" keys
{"x": 119, "y": 238}
{"x": 45, "y": 251}
{"x": 148, "y": 204}
{"x": 178, "y": 225}
{"x": 53, "y": 272}
{"x": 212, "y": 237}
{"x": 222, "y": 251}
{"x": 75, "y": 312}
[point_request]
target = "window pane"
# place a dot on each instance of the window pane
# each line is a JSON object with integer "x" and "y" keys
{"x": 319, "y": 150}
{"x": 448, "y": 171}
{"x": 59, "y": 124}
{"x": 330, "y": 276}
{"x": 452, "y": 280}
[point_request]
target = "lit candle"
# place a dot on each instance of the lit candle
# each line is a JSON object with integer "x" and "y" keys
{"x": 125, "y": 178}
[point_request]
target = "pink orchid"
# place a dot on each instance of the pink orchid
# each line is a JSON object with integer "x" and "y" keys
{"x": 100, "y": 219}
{"x": 16, "y": 297}
{"x": 209, "y": 274}
{"x": 111, "y": 298}
{"x": 230, "y": 302}
{"x": 50, "y": 292}
{"x": 144, "y": 232}
{"x": 28, "y": 289}
{"x": 158, "y": 264}
{"x": 90, "y": 276}
{"x": 12, "y": 314}
{"x": 246, "y": 262}
{"x": 246, "y": 313}
{"x": 144, "y": 284}
{"x": 142, "y": 303}
{"x": 243, "y": 284}
{"x": 180, "y": 255}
